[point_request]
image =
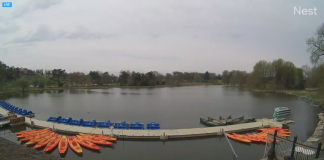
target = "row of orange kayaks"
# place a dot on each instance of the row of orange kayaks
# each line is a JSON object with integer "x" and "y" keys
{"x": 259, "y": 137}
{"x": 49, "y": 140}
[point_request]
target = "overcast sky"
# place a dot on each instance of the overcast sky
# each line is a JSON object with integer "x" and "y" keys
{"x": 159, "y": 35}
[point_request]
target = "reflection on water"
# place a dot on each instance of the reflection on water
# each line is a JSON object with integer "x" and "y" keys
{"x": 178, "y": 107}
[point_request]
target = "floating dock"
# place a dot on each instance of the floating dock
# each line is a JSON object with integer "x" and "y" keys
{"x": 154, "y": 134}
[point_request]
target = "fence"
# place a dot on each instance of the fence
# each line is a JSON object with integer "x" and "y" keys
{"x": 233, "y": 151}
{"x": 291, "y": 148}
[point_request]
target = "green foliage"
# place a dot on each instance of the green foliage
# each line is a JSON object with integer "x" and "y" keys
{"x": 206, "y": 76}
{"x": 35, "y": 82}
{"x": 58, "y": 74}
{"x": 22, "y": 83}
{"x": 300, "y": 79}
{"x": 95, "y": 76}
{"x": 226, "y": 77}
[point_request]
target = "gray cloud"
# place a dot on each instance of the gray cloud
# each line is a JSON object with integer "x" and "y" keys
{"x": 160, "y": 35}
{"x": 34, "y": 5}
{"x": 8, "y": 28}
{"x": 44, "y": 33}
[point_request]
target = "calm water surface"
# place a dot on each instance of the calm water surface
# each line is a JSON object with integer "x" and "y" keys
{"x": 179, "y": 107}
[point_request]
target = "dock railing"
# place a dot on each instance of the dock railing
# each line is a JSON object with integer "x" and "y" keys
{"x": 233, "y": 151}
{"x": 291, "y": 148}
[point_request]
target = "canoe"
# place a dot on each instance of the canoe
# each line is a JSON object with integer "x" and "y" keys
{"x": 95, "y": 140}
{"x": 52, "y": 144}
{"x": 44, "y": 142}
{"x": 74, "y": 145}
{"x": 106, "y": 138}
{"x": 211, "y": 123}
{"x": 238, "y": 138}
{"x": 86, "y": 143}
{"x": 22, "y": 132}
{"x": 63, "y": 145}
{"x": 38, "y": 138}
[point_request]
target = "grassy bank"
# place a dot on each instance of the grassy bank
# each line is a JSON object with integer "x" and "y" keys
{"x": 315, "y": 94}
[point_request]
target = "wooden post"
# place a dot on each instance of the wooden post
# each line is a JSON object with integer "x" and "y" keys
{"x": 318, "y": 151}
{"x": 293, "y": 147}
{"x": 271, "y": 153}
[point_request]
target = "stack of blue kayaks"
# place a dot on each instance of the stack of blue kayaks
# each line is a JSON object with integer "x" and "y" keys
{"x": 77, "y": 122}
{"x": 105, "y": 124}
{"x": 15, "y": 109}
{"x": 153, "y": 126}
{"x": 281, "y": 113}
{"x": 137, "y": 126}
{"x": 64, "y": 120}
{"x": 91, "y": 123}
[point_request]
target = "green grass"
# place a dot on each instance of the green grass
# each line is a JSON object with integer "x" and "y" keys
{"x": 315, "y": 94}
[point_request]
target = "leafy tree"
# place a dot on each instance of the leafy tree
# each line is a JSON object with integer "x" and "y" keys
{"x": 58, "y": 74}
{"x": 22, "y": 83}
{"x": 316, "y": 46}
{"x": 198, "y": 78}
{"x": 261, "y": 74}
{"x": 88, "y": 80}
{"x": 226, "y": 77}
{"x": 206, "y": 76}
{"x": 300, "y": 79}
{"x": 41, "y": 83}
{"x": 35, "y": 82}
{"x": 95, "y": 76}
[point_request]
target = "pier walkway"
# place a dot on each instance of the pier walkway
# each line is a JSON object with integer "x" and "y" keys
{"x": 154, "y": 134}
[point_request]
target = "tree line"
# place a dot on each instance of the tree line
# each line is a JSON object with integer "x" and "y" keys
{"x": 281, "y": 74}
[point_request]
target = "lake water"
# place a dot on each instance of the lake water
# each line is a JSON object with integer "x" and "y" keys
{"x": 178, "y": 107}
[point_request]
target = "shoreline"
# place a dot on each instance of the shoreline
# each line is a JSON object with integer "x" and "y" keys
{"x": 10, "y": 150}
{"x": 102, "y": 87}
{"x": 317, "y": 136}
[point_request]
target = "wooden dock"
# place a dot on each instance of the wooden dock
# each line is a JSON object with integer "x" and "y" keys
{"x": 154, "y": 134}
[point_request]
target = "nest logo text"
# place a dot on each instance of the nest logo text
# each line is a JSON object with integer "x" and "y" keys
{"x": 305, "y": 11}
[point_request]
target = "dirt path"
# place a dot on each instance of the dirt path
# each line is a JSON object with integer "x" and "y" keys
{"x": 12, "y": 151}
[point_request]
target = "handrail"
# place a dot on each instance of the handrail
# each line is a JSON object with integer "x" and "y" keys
{"x": 234, "y": 154}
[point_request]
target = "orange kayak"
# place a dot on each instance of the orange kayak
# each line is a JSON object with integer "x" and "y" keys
{"x": 95, "y": 140}
{"x": 38, "y": 139}
{"x": 27, "y": 138}
{"x": 52, "y": 144}
{"x": 241, "y": 136}
{"x": 63, "y": 145}
{"x": 22, "y": 132}
{"x": 74, "y": 145}
{"x": 238, "y": 138}
{"x": 86, "y": 143}
{"x": 44, "y": 142}
{"x": 107, "y": 138}
{"x": 32, "y": 133}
